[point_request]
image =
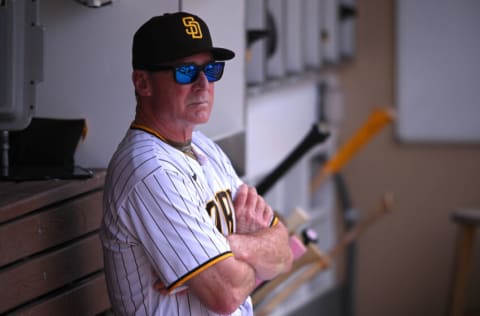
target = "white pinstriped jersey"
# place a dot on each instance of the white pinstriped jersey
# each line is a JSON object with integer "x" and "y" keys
{"x": 167, "y": 213}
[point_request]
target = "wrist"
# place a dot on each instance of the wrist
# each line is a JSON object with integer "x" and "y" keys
{"x": 237, "y": 245}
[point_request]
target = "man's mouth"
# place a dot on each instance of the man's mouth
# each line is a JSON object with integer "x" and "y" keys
{"x": 199, "y": 102}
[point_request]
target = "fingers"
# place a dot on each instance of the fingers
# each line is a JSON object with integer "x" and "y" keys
{"x": 241, "y": 196}
{"x": 160, "y": 287}
{"x": 252, "y": 199}
{"x": 260, "y": 205}
{"x": 252, "y": 212}
{"x": 268, "y": 214}
{"x": 248, "y": 199}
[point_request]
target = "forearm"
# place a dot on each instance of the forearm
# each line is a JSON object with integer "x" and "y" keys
{"x": 222, "y": 287}
{"x": 226, "y": 285}
{"x": 267, "y": 250}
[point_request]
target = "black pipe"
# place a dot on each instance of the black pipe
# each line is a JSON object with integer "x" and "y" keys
{"x": 350, "y": 215}
{"x": 318, "y": 134}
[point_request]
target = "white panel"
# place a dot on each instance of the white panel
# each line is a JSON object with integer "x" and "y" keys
{"x": 331, "y": 28}
{"x": 438, "y": 71}
{"x": 347, "y": 29}
{"x": 347, "y": 38}
{"x": 256, "y": 57}
{"x": 227, "y": 30}
{"x": 294, "y": 36}
{"x": 87, "y": 68}
{"x": 21, "y": 62}
{"x": 312, "y": 26}
{"x": 276, "y": 122}
{"x": 276, "y": 62}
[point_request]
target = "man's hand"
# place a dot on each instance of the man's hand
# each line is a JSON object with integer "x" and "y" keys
{"x": 264, "y": 248}
{"x": 252, "y": 213}
{"x": 160, "y": 287}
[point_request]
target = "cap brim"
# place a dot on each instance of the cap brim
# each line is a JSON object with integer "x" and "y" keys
{"x": 222, "y": 53}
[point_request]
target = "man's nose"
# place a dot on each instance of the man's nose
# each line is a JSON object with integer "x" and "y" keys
{"x": 202, "y": 79}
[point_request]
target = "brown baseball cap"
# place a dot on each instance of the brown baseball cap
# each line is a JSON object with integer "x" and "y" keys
{"x": 171, "y": 36}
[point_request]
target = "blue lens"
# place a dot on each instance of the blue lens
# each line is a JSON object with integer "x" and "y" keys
{"x": 213, "y": 71}
{"x": 185, "y": 74}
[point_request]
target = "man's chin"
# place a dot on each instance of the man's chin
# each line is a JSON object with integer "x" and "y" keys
{"x": 203, "y": 120}
{"x": 202, "y": 117}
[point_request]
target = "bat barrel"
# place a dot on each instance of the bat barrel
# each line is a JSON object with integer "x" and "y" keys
{"x": 317, "y": 134}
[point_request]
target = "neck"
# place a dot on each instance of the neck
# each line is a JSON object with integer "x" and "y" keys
{"x": 185, "y": 147}
{"x": 165, "y": 130}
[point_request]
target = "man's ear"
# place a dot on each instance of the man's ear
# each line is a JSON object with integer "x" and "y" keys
{"x": 141, "y": 82}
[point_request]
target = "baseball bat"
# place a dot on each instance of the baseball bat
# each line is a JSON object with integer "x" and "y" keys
{"x": 314, "y": 261}
{"x": 297, "y": 218}
{"x": 378, "y": 119}
{"x": 317, "y": 134}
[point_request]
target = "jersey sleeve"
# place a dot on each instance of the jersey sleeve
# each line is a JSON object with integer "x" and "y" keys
{"x": 168, "y": 216}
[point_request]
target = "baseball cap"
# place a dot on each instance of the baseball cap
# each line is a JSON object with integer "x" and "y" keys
{"x": 171, "y": 36}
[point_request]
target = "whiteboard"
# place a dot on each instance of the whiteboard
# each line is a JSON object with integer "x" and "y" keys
{"x": 438, "y": 70}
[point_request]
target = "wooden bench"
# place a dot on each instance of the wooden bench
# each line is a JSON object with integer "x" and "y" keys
{"x": 468, "y": 221}
{"x": 51, "y": 260}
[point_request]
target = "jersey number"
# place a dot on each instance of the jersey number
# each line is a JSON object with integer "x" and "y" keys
{"x": 221, "y": 212}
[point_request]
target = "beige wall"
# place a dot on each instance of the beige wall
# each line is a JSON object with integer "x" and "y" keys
{"x": 405, "y": 259}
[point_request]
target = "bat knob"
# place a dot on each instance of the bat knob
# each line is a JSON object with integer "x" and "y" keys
{"x": 309, "y": 235}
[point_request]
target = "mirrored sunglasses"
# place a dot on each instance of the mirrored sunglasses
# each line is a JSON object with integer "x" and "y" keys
{"x": 188, "y": 73}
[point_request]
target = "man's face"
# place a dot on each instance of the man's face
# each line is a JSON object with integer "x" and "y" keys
{"x": 184, "y": 105}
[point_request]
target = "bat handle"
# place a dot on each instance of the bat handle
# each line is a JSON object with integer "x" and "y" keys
{"x": 318, "y": 134}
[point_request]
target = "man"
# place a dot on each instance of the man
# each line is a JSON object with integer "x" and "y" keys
{"x": 175, "y": 242}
